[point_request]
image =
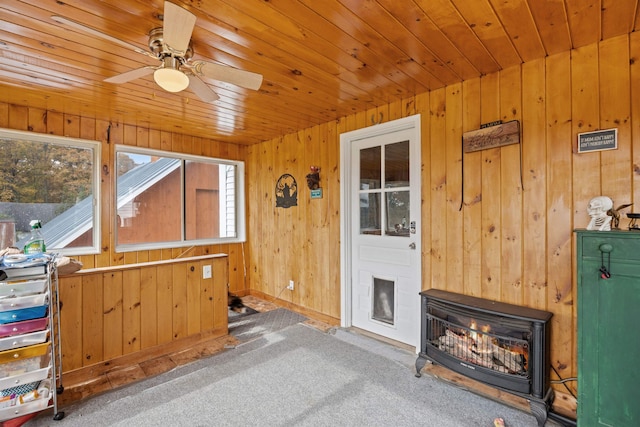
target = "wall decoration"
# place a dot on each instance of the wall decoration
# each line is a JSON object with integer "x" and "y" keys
{"x": 286, "y": 191}
{"x": 599, "y": 140}
{"x": 597, "y": 210}
{"x": 313, "y": 182}
{"x": 497, "y": 135}
{"x": 491, "y": 135}
{"x": 614, "y": 213}
{"x": 313, "y": 178}
{"x": 604, "y": 216}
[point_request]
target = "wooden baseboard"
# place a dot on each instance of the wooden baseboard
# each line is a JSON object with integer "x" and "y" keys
{"x": 563, "y": 403}
{"x": 298, "y": 309}
{"x": 89, "y": 373}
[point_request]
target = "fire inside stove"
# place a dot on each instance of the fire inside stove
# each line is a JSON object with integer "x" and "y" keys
{"x": 479, "y": 345}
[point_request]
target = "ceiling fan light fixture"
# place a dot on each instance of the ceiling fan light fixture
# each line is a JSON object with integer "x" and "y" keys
{"x": 170, "y": 79}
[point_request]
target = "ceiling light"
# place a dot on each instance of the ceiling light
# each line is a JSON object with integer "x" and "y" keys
{"x": 170, "y": 79}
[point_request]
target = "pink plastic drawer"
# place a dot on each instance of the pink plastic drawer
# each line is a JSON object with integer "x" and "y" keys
{"x": 17, "y": 328}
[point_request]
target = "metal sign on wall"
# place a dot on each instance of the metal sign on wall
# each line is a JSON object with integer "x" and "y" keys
{"x": 599, "y": 140}
{"x": 286, "y": 191}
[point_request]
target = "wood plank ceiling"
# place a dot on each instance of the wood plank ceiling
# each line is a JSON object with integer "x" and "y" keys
{"x": 321, "y": 60}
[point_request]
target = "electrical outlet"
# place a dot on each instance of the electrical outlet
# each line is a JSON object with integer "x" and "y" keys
{"x": 290, "y": 287}
{"x": 206, "y": 272}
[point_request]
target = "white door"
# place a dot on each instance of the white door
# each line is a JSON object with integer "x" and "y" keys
{"x": 383, "y": 230}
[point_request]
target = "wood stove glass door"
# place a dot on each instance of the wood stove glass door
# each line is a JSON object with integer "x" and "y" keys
{"x": 385, "y": 213}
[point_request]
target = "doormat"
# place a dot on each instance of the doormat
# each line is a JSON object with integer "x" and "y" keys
{"x": 233, "y": 315}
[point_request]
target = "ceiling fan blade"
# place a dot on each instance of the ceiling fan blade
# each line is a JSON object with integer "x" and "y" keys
{"x": 201, "y": 89}
{"x": 227, "y": 74}
{"x": 178, "y": 26}
{"x": 78, "y": 26}
{"x": 131, "y": 75}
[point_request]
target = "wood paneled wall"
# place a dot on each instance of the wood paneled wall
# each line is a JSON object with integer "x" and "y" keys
{"x": 21, "y": 117}
{"x": 497, "y": 223}
{"x": 104, "y": 314}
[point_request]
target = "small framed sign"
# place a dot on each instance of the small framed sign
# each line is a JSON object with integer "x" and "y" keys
{"x": 598, "y": 141}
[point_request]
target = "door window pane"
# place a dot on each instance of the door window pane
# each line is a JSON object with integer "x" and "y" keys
{"x": 370, "y": 163}
{"x": 370, "y": 222}
{"x": 393, "y": 165}
{"x": 396, "y": 165}
{"x": 398, "y": 203}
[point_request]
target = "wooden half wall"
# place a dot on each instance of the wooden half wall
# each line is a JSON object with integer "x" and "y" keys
{"x": 496, "y": 223}
{"x": 110, "y": 312}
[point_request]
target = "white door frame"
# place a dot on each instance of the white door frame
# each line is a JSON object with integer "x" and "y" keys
{"x": 346, "y": 139}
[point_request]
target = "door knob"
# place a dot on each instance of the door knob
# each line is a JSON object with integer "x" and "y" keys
{"x": 412, "y": 245}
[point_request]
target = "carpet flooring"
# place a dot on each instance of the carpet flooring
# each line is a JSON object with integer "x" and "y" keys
{"x": 293, "y": 375}
{"x": 247, "y": 328}
{"x": 234, "y": 315}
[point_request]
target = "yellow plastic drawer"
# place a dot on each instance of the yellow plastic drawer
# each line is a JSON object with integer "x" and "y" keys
{"x": 23, "y": 353}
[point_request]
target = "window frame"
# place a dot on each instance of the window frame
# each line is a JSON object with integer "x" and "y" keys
{"x": 96, "y": 148}
{"x": 240, "y": 208}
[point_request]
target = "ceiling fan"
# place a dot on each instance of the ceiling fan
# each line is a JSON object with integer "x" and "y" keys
{"x": 171, "y": 45}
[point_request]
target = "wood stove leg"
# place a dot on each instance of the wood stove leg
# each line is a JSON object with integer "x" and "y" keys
{"x": 540, "y": 408}
{"x": 420, "y": 362}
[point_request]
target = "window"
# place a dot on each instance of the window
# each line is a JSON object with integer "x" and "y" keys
{"x": 170, "y": 199}
{"x": 54, "y": 180}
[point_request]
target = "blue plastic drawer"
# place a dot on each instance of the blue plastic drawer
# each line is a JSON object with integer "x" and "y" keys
{"x": 23, "y": 314}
